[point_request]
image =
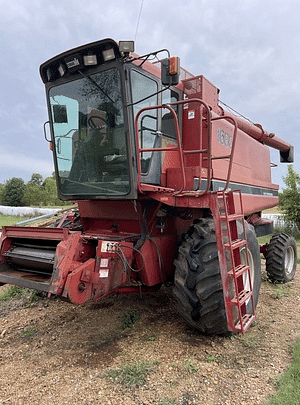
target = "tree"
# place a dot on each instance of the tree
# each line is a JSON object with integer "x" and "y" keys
{"x": 50, "y": 188}
{"x": 34, "y": 192}
{"x": 34, "y": 195}
{"x": 2, "y": 190}
{"x": 14, "y": 192}
{"x": 36, "y": 179}
{"x": 289, "y": 199}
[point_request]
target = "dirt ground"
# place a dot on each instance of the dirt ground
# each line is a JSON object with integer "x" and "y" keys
{"x": 57, "y": 353}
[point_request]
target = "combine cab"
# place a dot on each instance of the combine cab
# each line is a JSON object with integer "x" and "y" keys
{"x": 169, "y": 187}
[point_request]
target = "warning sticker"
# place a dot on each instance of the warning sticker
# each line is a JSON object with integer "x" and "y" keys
{"x": 104, "y": 263}
{"x": 103, "y": 273}
{"x": 191, "y": 114}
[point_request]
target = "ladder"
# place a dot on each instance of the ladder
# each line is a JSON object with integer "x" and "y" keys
{"x": 234, "y": 260}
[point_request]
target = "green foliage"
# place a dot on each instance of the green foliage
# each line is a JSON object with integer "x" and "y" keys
{"x": 289, "y": 383}
{"x": 129, "y": 319}
{"x": 37, "y": 192}
{"x": 50, "y": 191}
{"x": 34, "y": 195}
{"x": 2, "y": 191}
{"x": 131, "y": 374}
{"x": 29, "y": 297}
{"x": 190, "y": 365}
{"x": 168, "y": 401}
{"x": 36, "y": 179}
{"x": 14, "y": 192}
{"x": 41, "y": 192}
{"x": 289, "y": 199}
{"x": 12, "y": 291}
{"x": 211, "y": 359}
{"x": 28, "y": 333}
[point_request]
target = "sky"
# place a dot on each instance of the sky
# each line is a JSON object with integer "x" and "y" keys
{"x": 249, "y": 49}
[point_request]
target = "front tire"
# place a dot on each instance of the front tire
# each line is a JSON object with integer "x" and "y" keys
{"x": 281, "y": 258}
{"x": 198, "y": 286}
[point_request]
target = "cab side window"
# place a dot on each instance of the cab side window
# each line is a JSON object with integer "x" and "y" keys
{"x": 167, "y": 124}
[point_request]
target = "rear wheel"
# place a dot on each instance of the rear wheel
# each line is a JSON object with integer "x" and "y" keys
{"x": 281, "y": 258}
{"x": 198, "y": 286}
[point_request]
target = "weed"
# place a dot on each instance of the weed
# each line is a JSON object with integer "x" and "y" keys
{"x": 12, "y": 291}
{"x": 131, "y": 374}
{"x": 30, "y": 297}
{"x": 190, "y": 365}
{"x": 264, "y": 276}
{"x": 151, "y": 339}
{"x": 129, "y": 319}
{"x": 281, "y": 290}
{"x": 211, "y": 359}
{"x": 28, "y": 333}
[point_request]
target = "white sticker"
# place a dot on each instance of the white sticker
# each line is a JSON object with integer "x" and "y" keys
{"x": 104, "y": 263}
{"x": 191, "y": 114}
{"x": 108, "y": 246}
{"x": 103, "y": 273}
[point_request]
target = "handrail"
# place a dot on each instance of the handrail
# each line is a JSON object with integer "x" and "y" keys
{"x": 172, "y": 148}
{"x": 210, "y": 117}
{"x": 208, "y": 150}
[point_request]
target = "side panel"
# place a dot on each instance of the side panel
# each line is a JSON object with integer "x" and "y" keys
{"x": 251, "y": 160}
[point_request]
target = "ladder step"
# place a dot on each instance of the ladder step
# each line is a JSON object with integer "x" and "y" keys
{"x": 247, "y": 320}
{"x": 238, "y": 271}
{"x": 236, "y": 243}
{"x": 242, "y": 297}
{"x": 230, "y": 211}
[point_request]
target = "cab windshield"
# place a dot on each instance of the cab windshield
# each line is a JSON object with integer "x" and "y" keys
{"x": 89, "y": 136}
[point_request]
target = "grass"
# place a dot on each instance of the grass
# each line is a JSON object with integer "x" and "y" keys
{"x": 29, "y": 296}
{"x": 289, "y": 384}
{"x": 11, "y": 292}
{"x": 281, "y": 290}
{"x": 7, "y": 220}
{"x": 132, "y": 374}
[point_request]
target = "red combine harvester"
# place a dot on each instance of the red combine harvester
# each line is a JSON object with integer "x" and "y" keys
{"x": 169, "y": 187}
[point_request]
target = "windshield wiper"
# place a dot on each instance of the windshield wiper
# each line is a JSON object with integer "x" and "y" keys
{"x": 96, "y": 84}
